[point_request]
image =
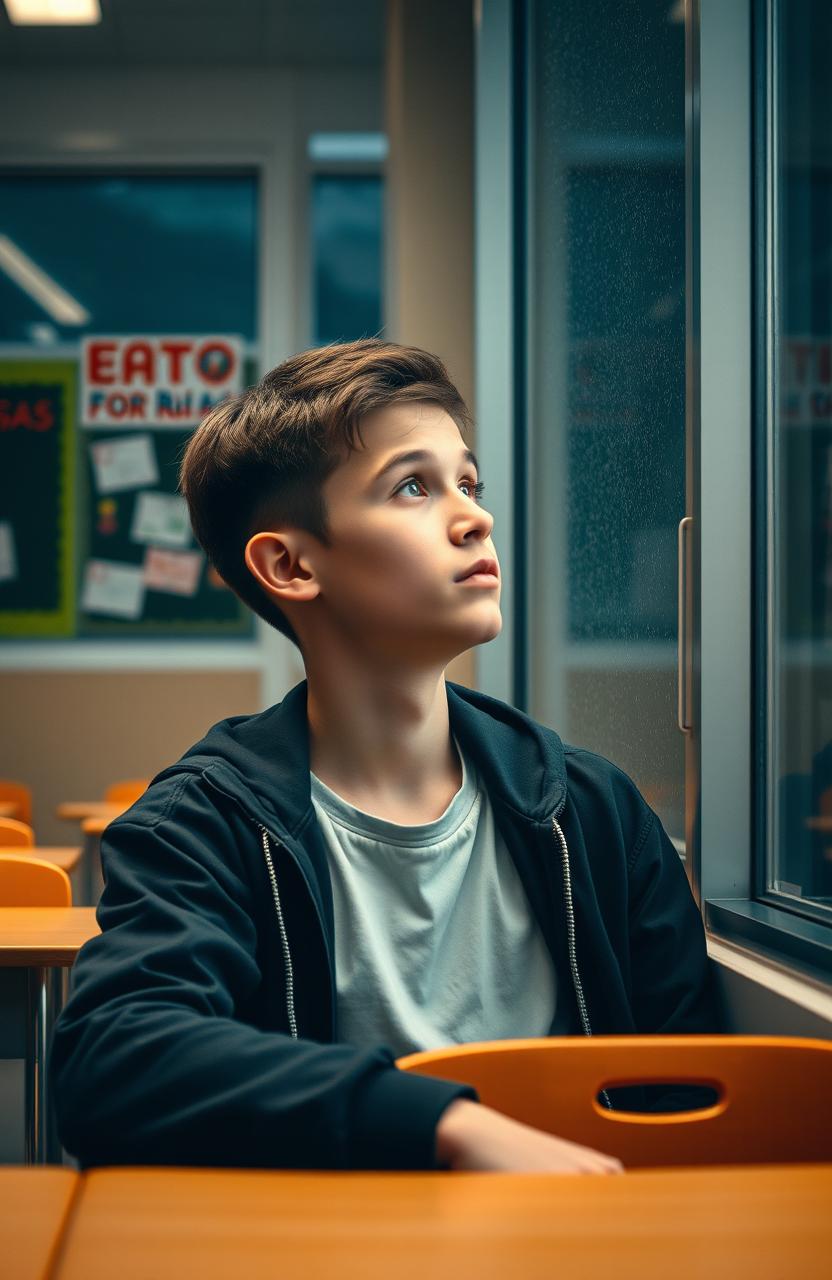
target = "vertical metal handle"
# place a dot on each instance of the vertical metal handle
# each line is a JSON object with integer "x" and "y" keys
{"x": 683, "y": 665}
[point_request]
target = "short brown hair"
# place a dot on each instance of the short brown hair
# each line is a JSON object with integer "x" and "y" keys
{"x": 260, "y": 459}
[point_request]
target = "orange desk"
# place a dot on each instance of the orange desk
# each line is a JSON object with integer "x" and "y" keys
{"x": 77, "y": 810}
{"x": 40, "y": 944}
{"x": 34, "y": 1208}
{"x": 769, "y": 1222}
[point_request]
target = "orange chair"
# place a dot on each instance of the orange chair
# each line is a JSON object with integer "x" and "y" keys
{"x": 772, "y": 1104}
{"x": 28, "y": 882}
{"x": 18, "y": 793}
{"x": 15, "y": 835}
{"x": 126, "y": 792}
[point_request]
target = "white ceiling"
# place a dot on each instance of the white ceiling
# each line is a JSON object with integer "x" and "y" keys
{"x": 204, "y": 33}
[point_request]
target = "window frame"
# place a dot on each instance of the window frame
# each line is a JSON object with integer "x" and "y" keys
{"x": 725, "y": 809}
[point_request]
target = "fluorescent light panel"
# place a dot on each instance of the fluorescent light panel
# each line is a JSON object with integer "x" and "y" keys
{"x": 60, "y": 305}
{"x": 53, "y": 13}
{"x": 348, "y": 147}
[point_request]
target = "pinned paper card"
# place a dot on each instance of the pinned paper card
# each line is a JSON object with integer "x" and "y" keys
{"x": 161, "y": 518}
{"x": 124, "y": 464}
{"x": 114, "y": 589}
{"x": 8, "y": 555}
{"x": 173, "y": 571}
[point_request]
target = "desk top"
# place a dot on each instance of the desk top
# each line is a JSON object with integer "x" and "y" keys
{"x": 767, "y": 1220}
{"x": 34, "y": 1205}
{"x": 95, "y": 824}
{"x": 50, "y": 936}
{"x": 77, "y": 810}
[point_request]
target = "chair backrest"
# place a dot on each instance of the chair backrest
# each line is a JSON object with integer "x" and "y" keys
{"x": 127, "y": 791}
{"x": 20, "y": 794}
{"x": 30, "y": 882}
{"x": 15, "y": 835}
{"x": 772, "y": 1105}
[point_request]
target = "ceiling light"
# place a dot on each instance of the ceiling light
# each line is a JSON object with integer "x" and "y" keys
{"x": 53, "y": 13}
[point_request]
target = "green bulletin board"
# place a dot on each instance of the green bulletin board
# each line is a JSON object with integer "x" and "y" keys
{"x": 95, "y": 540}
{"x": 37, "y": 487}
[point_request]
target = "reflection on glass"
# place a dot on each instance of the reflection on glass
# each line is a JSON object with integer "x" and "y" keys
{"x": 607, "y": 394}
{"x": 800, "y": 855}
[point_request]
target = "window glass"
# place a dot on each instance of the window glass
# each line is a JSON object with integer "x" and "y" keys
{"x": 346, "y": 256}
{"x": 133, "y": 253}
{"x": 607, "y": 382}
{"x": 799, "y": 498}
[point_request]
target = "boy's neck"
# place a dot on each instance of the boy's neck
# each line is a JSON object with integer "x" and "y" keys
{"x": 384, "y": 743}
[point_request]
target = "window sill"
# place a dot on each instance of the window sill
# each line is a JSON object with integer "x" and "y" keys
{"x": 778, "y": 939}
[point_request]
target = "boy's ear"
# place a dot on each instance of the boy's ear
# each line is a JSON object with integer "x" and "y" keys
{"x": 276, "y": 561}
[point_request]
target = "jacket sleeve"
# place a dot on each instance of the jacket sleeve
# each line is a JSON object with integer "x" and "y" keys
{"x": 672, "y": 976}
{"x": 672, "y": 980}
{"x": 151, "y": 1062}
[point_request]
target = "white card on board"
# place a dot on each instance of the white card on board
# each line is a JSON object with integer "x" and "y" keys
{"x": 114, "y": 589}
{"x": 161, "y": 518}
{"x": 8, "y": 555}
{"x": 124, "y": 464}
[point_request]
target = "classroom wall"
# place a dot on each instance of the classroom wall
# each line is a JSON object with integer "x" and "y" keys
{"x": 68, "y": 731}
{"x": 73, "y": 733}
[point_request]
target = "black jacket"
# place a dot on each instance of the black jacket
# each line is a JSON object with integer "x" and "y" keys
{"x": 201, "y": 1027}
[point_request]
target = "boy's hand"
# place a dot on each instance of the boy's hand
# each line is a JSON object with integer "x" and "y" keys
{"x": 471, "y": 1136}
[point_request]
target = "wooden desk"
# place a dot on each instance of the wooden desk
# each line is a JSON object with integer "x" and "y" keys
{"x": 38, "y": 945}
{"x": 768, "y": 1222}
{"x": 34, "y": 1208}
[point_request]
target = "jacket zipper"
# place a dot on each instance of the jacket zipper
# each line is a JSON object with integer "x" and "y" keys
{"x": 284, "y": 941}
{"x": 570, "y": 926}
{"x": 570, "y": 931}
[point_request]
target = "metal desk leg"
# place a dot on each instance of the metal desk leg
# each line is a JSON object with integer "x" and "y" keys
{"x": 87, "y": 870}
{"x": 46, "y": 992}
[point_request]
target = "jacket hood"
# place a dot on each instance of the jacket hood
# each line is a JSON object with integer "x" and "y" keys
{"x": 263, "y": 759}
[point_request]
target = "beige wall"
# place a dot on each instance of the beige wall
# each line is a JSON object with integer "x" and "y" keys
{"x": 69, "y": 734}
{"x": 429, "y": 230}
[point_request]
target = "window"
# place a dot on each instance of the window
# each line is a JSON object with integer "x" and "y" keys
{"x": 794, "y": 504}
{"x": 346, "y": 235}
{"x": 346, "y": 238}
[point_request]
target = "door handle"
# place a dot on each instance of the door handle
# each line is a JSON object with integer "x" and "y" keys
{"x": 682, "y": 658}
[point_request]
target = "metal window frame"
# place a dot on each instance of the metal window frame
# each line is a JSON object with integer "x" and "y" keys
{"x": 733, "y": 241}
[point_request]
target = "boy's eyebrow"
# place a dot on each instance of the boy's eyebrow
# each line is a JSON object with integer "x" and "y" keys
{"x": 421, "y": 455}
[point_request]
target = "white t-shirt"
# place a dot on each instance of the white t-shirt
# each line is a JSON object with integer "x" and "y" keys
{"x": 435, "y": 940}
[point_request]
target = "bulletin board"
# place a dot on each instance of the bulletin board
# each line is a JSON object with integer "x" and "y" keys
{"x": 37, "y": 487}
{"x": 95, "y": 541}
{"x": 143, "y": 571}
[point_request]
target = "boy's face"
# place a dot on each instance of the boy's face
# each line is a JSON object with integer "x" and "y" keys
{"x": 387, "y": 582}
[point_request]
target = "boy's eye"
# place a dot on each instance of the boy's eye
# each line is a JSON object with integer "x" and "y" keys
{"x": 478, "y": 487}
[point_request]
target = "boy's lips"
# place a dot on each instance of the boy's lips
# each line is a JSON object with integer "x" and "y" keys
{"x": 488, "y": 566}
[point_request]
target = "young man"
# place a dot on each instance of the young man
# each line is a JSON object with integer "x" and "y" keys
{"x": 384, "y": 861}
